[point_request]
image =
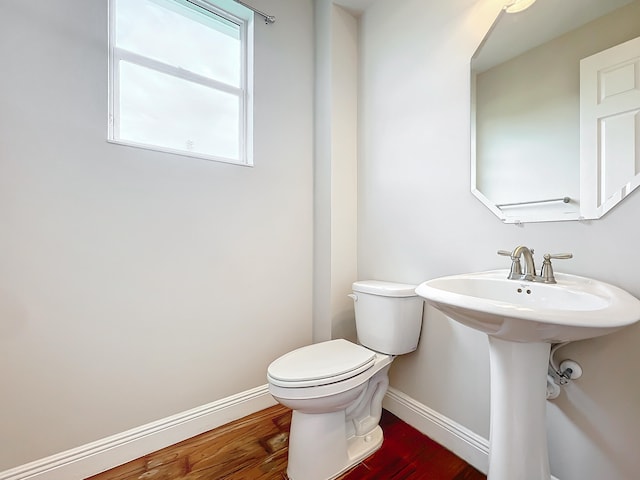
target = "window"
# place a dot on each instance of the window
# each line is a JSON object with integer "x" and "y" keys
{"x": 180, "y": 77}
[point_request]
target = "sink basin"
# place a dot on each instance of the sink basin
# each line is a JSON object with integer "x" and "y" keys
{"x": 575, "y": 308}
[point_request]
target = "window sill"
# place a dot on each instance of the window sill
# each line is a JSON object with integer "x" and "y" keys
{"x": 181, "y": 153}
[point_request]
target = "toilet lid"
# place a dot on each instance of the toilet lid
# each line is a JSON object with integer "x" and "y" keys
{"x": 320, "y": 364}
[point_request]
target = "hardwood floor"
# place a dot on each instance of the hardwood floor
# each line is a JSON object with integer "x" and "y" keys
{"x": 255, "y": 448}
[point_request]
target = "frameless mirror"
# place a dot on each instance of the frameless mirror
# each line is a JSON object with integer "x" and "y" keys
{"x": 533, "y": 157}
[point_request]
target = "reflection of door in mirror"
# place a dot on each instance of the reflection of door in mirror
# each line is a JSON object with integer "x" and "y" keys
{"x": 526, "y": 105}
{"x": 610, "y": 126}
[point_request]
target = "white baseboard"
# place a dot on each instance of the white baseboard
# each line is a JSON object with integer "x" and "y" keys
{"x": 93, "y": 458}
{"x": 96, "y": 457}
{"x": 471, "y": 447}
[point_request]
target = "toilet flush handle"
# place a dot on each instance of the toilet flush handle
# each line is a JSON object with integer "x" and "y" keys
{"x": 353, "y": 296}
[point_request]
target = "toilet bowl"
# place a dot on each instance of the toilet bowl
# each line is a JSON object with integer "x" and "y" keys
{"x": 336, "y": 388}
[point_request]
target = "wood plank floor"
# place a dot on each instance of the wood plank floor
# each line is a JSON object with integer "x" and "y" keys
{"x": 255, "y": 448}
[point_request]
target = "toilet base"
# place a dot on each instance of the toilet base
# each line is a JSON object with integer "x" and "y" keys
{"x": 360, "y": 448}
{"x": 321, "y": 449}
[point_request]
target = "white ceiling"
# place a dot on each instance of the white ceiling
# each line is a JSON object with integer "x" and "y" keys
{"x": 354, "y": 6}
{"x": 515, "y": 33}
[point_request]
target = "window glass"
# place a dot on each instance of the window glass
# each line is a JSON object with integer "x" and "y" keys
{"x": 167, "y": 31}
{"x": 180, "y": 78}
{"x": 163, "y": 110}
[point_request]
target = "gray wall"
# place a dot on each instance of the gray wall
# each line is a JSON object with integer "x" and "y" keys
{"x": 134, "y": 284}
{"x": 418, "y": 220}
{"x": 335, "y": 171}
{"x": 124, "y": 274}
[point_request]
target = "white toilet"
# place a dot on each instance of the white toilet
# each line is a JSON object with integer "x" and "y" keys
{"x": 335, "y": 388}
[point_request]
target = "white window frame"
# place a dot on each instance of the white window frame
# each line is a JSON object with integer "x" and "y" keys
{"x": 227, "y": 9}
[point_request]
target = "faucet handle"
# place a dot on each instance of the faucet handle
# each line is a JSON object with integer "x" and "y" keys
{"x": 559, "y": 256}
{"x": 547, "y": 270}
{"x": 516, "y": 266}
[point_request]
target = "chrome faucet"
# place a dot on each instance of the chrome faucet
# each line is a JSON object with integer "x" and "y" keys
{"x": 529, "y": 273}
{"x": 516, "y": 272}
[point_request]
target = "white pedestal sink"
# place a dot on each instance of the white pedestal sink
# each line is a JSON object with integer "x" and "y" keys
{"x": 522, "y": 320}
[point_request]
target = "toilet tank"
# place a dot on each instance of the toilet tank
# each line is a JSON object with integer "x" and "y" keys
{"x": 388, "y": 316}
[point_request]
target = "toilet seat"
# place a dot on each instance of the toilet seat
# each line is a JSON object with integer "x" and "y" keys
{"x": 320, "y": 364}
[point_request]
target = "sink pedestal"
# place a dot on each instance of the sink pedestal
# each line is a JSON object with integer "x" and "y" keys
{"x": 518, "y": 435}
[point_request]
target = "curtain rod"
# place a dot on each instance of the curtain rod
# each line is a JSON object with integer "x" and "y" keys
{"x": 267, "y": 18}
